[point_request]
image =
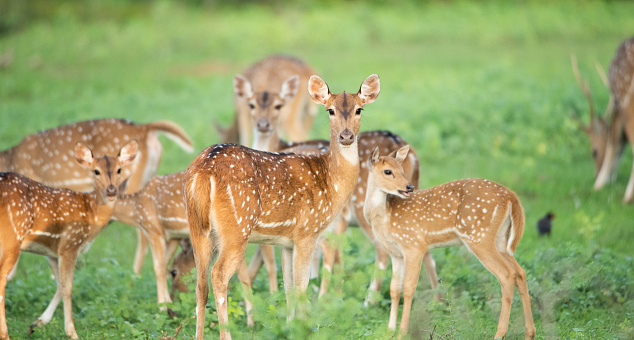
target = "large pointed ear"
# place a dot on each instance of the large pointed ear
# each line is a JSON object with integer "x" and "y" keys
{"x": 401, "y": 154}
{"x": 289, "y": 88}
{"x": 84, "y": 155}
{"x": 242, "y": 87}
{"x": 128, "y": 152}
{"x": 374, "y": 157}
{"x": 318, "y": 90}
{"x": 370, "y": 89}
{"x": 123, "y": 186}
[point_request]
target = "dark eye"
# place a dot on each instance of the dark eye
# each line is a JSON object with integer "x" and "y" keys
{"x": 252, "y": 106}
{"x": 119, "y": 171}
{"x": 97, "y": 172}
{"x": 331, "y": 111}
{"x": 594, "y": 153}
{"x": 279, "y": 106}
{"x": 359, "y": 111}
{"x": 387, "y": 172}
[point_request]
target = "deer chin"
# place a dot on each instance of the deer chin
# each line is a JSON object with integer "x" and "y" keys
{"x": 403, "y": 193}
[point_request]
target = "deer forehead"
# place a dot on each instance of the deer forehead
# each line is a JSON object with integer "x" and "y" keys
{"x": 345, "y": 103}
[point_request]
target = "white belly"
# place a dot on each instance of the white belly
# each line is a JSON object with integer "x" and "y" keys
{"x": 37, "y": 248}
{"x": 270, "y": 239}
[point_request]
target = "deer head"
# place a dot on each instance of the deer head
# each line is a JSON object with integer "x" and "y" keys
{"x": 387, "y": 172}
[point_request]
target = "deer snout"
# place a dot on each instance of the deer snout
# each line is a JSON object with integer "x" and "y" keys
{"x": 346, "y": 137}
{"x": 111, "y": 192}
{"x": 410, "y": 188}
{"x": 263, "y": 125}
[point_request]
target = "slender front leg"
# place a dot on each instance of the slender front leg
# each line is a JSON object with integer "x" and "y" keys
{"x": 141, "y": 250}
{"x": 396, "y": 284}
{"x": 157, "y": 245}
{"x": 66, "y": 271}
{"x": 8, "y": 258}
{"x": 268, "y": 255}
{"x": 289, "y": 283}
{"x": 410, "y": 280}
{"x": 430, "y": 269}
{"x": 48, "y": 313}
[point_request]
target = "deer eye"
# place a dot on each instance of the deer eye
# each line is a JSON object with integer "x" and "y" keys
{"x": 251, "y": 106}
{"x": 97, "y": 172}
{"x": 359, "y": 111}
{"x": 119, "y": 171}
{"x": 278, "y": 106}
{"x": 331, "y": 111}
{"x": 387, "y": 172}
{"x": 594, "y": 153}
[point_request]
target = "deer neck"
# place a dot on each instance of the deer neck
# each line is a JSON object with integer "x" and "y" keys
{"x": 343, "y": 167}
{"x": 100, "y": 209}
{"x": 375, "y": 207}
{"x": 269, "y": 142}
{"x": 125, "y": 209}
{"x": 5, "y": 160}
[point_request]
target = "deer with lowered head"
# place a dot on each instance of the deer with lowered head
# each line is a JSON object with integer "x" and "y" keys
{"x": 49, "y": 156}
{"x": 57, "y": 223}
{"x": 610, "y": 134}
{"x": 482, "y": 215}
{"x": 235, "y": 195}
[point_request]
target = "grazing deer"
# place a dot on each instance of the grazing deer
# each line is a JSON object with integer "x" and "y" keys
{"x": 484, "y": 216}
{"x": 158, "y": 210}
{"x": 267, "y": 89}
{"x": 48, "y": 156}
{"x": 57, "y": 223}
{"x": 236, "y": 195}
{"x": 608, "y": 140}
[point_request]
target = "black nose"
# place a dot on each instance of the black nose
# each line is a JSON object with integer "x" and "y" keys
{"x": 346, "y": 137}
{"x": 173, "y": 272}
{"x": 410, "y": 188}
{"x": 263, "y": 125}
{"x": 111, "y": 190}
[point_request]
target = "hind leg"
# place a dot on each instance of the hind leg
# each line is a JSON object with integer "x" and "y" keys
{"x": 8, "y": 259}
{"x": 202, "y": 247}
{"x": 141, "y": 250}
{"x": 48, "y": 313}
{"x": 243, "y": 276}
{"x": 522, "y": 288}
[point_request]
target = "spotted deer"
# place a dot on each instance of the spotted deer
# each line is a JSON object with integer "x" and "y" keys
{"x": 236, "y": 195}
{"x": 265, "y": 93}
{"x": 610, "y": 134}
{"x": 484, "y": 216}
{"x": 158, "y": 210}
{"x": 57, "y": 223}
{"x": 48, "y": 156}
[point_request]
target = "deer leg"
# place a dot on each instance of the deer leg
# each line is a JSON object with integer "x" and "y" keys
{"x": 256, "y": 264}
{"x": 287, "y": 274}
{"x": 268, "y": 254}
{"x": 243, "y": 276}
{"x": 522, "y": 288}
{"x": 202, "y": 248}
{"x": 170, "y": 250}
{"x": 382, "y": 257}
{"x": 629, "y": 132}
{"x": 410, "y": 280}
{"x": 230, "y": 257}
{"x": 14, "y": 270}
{"x": 328, "y": 257}
{"x": 430, "y": 269}
{"x": 66, "y": 271}
{"x": 314, "y": 264}
{"x": 8, "y": 259}
{"x": 396, "y": 284}
{"x": 495, "y": 263}
{"x": 48, "y": 313}
{"x": 141, "y": 250}
{"x": 157, "y": 245}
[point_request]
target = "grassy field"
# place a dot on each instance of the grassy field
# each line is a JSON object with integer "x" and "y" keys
{"x": 480, "y": 89}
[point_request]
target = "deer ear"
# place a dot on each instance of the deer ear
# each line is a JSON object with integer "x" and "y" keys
{"x": 370, "y": 89}
{"x": 375, "y": 156}
{"x": 84, "y": 155}
{"x": 242, "y": 87}
{"x": 318, "y": 90}
{"x": 128, "y": 152}
{"x": 123, "y": 186}
{"x": 290, "y": 87}
{"x": 401, "y": 154}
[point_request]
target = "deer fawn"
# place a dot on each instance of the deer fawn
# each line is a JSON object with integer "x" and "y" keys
{"x": 264, "y": 87}
{"x": 608, "y": 140}
{"x": 484, "y": 216}
{"x": 57, "y": 223}
{"x": 48, "y": 156}
{"x": 236, "y": 195}
{"x": 158, "y": 210}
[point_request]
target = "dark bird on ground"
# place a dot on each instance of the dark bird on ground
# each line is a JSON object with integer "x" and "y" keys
{"x": 544, "y": 225}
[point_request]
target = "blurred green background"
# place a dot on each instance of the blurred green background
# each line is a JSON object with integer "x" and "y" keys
{"x": 479, "y": 88}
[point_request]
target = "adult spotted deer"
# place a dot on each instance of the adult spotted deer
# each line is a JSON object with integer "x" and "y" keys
{"x": 609, "y": 135}
{"x": 48, "y": 156}
{"x": 158, "y": 210}
{"x": 236, "y": 195}
{"x": 484, "y": 216}
{"x": 57, "y": 223}
{"x": 265, "y": 96}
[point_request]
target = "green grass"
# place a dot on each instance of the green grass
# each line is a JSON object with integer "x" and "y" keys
{"x": 480, "y": 89}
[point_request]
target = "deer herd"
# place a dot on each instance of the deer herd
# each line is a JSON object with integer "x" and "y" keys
{"x": 61, "y": 187}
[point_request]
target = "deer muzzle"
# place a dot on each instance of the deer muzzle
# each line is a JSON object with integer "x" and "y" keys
{"x": 346, "y": 137}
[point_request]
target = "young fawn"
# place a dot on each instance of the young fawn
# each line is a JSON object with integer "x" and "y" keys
{"x": 57, "y": 223}
{"x": 484, "y": 216}
{"x": 236, "y": 195}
